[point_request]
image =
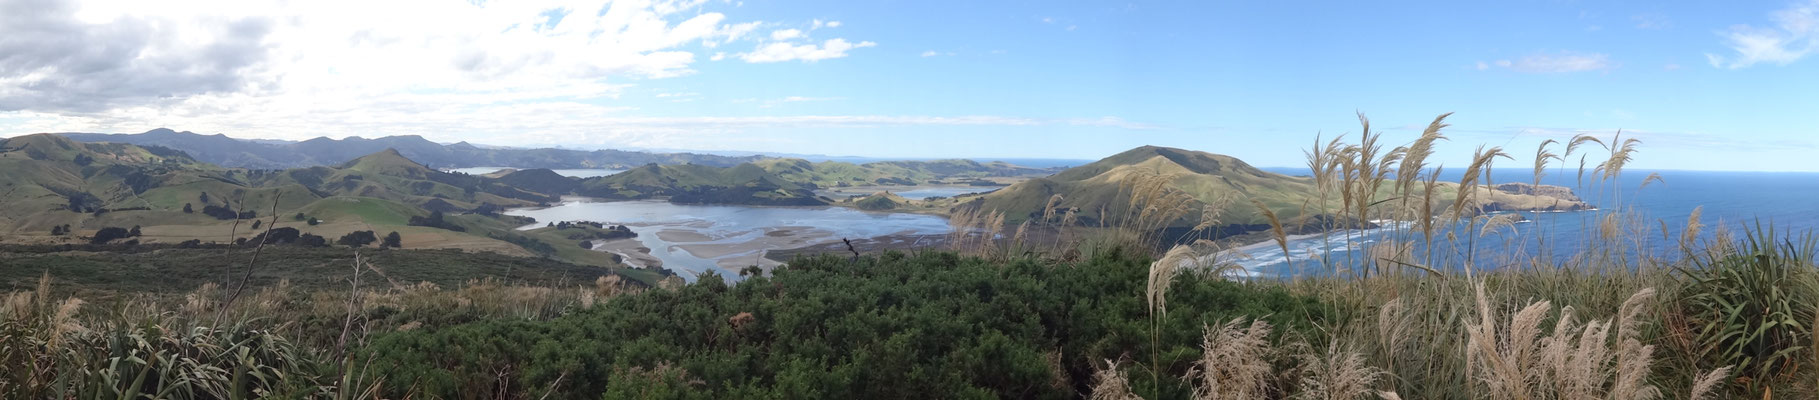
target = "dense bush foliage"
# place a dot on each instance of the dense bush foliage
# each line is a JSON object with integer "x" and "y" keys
{"x": 108, "y": 234}
{"x": 435, "y": 220}
{"x": 933, "y": 325}
{"x": 357, "y": 239}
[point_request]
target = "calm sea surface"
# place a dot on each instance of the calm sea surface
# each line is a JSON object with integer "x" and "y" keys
{"x": 1787, "y": 201}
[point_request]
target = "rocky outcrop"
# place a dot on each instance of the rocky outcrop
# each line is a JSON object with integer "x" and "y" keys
{"x": 1558, "y": 192}
{"x": 1527, "y": 197}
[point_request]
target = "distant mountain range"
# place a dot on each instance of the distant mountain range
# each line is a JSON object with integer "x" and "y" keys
{"x": 277, "y": 154}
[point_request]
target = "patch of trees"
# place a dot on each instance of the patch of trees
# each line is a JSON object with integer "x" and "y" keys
{"x": 187, "y": 209}
{"x": 285, "y": 236}
{"x": 309, "y": 240}
{"x": 487, "y": 209}
{"x": 392, "y": 240}
{"x": 574, "y": 224}
{"x": 224, "y": 213}
{"x": 109, "y": 234}
{"x": 83, "y": 159}
{"x": 435, "y": 220}
{"x": 139, "y": 181}
{"x": 357, "y": 239}
{"x": 894, "y": 181}
{"x": 276, "y": 236}
{"x": 602, "y": 232}
{"x": 83, "y": 202}
{"x": 60, "y": 230}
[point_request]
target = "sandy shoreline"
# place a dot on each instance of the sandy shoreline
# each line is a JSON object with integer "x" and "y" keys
{"x": 750, "y": 249}
{"x": 632, "y": 251}
{"x": 747, "y": 252}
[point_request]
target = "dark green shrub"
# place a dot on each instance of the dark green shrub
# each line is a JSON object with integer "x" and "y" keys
{"x": 931, "y": 325}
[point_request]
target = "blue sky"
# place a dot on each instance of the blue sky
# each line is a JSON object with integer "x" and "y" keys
{"x": 1706, "y": 85}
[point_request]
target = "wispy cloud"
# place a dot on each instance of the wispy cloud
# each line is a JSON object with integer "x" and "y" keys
{"x": 1553, "y": 63}
{"x": 786, "y": 34}
{"x": 806, "y": 52}
{"x": 1794, "y": 35}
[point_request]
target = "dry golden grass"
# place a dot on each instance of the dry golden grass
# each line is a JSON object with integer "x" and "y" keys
{"x": 1111, "y": 384}
{"x": 1234, "y": 362}
{"x": 1336, "y": 374}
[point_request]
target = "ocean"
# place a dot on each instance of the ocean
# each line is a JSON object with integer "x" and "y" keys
{"x": 1787, "y": 202}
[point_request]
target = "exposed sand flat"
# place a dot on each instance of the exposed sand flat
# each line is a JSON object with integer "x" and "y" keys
{"x": 634, "y": 252}
{"x": 682, "y": 236}
{"x": 773, "y": 238}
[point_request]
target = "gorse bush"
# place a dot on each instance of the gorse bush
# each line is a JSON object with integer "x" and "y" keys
{"x": 931, "y": 325}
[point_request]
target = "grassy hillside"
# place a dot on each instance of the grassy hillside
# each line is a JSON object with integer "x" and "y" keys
{"x": 842, "y": 174}
{"x": 742, "y": 184}
{"x": 541, "y": 181}
{"x": 50, "y": 183}
{"x": 1105, "y": 186}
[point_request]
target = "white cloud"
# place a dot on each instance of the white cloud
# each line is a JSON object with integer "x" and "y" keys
{"x": 295, "y": 70}
{"x": 807, "y": 52}
{"x": 930, "y": 53}
{"x": 833, "y": 24}
{"x": 1794, "y": 35}
{"x": 786, "y": 34}
{"x": 1554, "y": 63}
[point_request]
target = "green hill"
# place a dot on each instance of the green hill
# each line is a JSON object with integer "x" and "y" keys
{"x": 1206, "y": 177}
{"x": 43, "y": 176}
{"x": 743, "y": 184}
{"x": 541, "y": 181}
{"x": 1103, "y": 187}
{"x": 881, "y": 201}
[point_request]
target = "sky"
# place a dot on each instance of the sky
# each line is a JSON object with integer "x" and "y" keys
{"x": 1704, "y": 85}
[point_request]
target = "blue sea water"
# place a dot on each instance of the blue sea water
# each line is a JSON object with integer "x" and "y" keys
{"x": 1733, "y": 200}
